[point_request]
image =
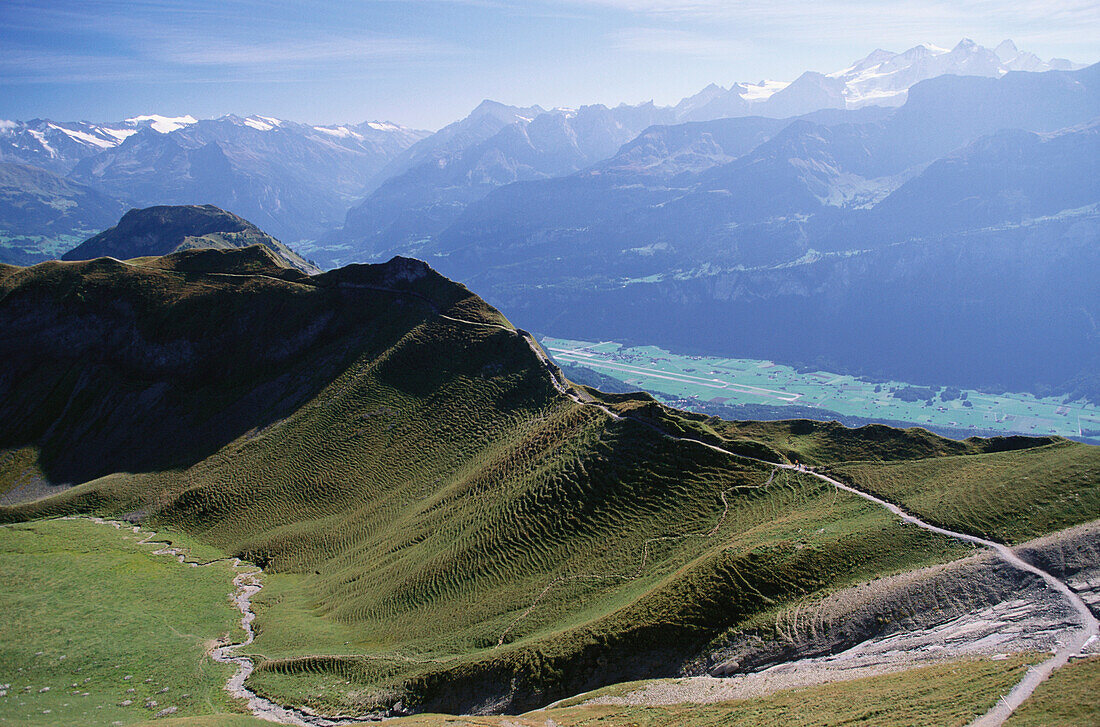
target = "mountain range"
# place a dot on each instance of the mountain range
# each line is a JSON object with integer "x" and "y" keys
{"x": 624, "y": 222}
{"x": 498, "y": 146}
{"x": 338, "y": 189}
{"x": 746, "y": 226}
{"x": 882, "y": 78}
{"x": 296, "y": 179}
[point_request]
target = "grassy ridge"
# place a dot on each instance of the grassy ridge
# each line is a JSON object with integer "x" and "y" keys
{"x": 416, "y": 489}
{"x": 1009, "y": 496}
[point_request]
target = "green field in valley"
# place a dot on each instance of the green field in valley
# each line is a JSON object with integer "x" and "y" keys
{"x": 694, "y": 382}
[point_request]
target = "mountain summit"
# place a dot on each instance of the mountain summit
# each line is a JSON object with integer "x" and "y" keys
{"x": 167, "y": 229}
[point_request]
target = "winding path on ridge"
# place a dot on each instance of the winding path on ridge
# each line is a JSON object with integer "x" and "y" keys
{"x": 247, "y": 583}
{"x": 1088, "y": 631}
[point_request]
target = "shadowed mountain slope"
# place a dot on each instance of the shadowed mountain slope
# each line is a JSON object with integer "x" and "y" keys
{"x": 438, "y": 524}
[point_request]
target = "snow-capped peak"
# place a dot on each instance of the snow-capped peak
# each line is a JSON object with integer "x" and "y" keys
{"x": 85, "y": 137}
{"x": 340, "y": 132}
{"x": 881, "y": 78}
{"x": 163, "y": 124}
{"x": 931, "y": 48}
{"x": 884, "y": 78}
{"x": 262, "y": 123}
{"x": 761, "y": 90}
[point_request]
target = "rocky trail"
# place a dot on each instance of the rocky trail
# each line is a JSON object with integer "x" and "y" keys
{"x": 247, "y": 584}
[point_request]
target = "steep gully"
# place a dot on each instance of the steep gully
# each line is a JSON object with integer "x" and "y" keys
{"x": 248, "y": 585}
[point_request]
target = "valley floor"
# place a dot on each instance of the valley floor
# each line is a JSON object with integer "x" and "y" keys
{"x": 719, "y": 386}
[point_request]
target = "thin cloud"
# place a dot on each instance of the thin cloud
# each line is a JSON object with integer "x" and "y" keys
{"x": 883, "y": 20}
{"x": 667, "y": 41}
{"x": 158, "y": 41}
{"x": 229, "y": 52}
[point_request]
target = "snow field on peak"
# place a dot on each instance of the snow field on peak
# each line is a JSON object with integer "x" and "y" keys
{"x": 164, "y": 124}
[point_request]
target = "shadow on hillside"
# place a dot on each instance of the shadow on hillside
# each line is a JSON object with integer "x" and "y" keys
{"x": 108, "y": 379}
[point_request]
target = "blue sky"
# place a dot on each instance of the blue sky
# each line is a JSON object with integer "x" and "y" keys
{"x": 425, "y": 63}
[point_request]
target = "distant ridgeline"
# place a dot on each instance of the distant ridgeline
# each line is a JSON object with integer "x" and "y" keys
{"x": 438, "y": 524}
{"x": 947, "y": 238}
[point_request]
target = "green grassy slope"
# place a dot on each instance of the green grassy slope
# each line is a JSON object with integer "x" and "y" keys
{"x": 439, "y": 525}
{"x": 1008, "y": 496}
{"x": 95, "y": 615}
{"x": 1069, "y": 698}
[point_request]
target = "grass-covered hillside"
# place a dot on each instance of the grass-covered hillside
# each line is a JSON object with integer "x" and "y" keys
{"x": 438, "y": 525}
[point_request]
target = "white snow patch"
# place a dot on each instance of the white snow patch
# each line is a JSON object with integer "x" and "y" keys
{"x": 383, "y": 126}
{"x": 85, "y": 137}
{"x": 761, "y": 91}
{"x": 257, "y": 123}
{"x": 120, "y": 134}
{"x": 340, "y": 132}
{"x": 41, "y": 138}
{"x": 935, "y": 49}
{"x": 164, "y": 124}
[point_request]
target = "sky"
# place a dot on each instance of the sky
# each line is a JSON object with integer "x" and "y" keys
{"x": 425, "y": 63}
